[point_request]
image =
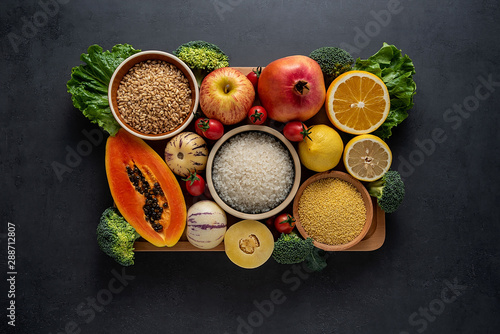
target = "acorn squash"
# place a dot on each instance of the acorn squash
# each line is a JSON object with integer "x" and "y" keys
{"x": 145, "y": 190}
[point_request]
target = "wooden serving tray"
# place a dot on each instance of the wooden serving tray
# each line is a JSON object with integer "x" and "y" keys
{"x": 373, "y": 240}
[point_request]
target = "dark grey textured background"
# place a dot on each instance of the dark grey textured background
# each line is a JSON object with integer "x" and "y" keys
{"x": 446, "y": 231}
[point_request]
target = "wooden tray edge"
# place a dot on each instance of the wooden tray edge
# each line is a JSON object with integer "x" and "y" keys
{"x": 375, "y": 237}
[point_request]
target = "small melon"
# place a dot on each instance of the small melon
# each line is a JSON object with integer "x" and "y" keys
{"x": 206, "y": 224}
{"x": 187, "y": 152}
{"x": 249, "y": 244}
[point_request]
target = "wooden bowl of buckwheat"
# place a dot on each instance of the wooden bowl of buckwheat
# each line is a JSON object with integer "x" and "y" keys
{"x": 153, "y": 95}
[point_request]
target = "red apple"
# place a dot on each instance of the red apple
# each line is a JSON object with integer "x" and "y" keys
{"x": 292, "y": 88}
{"x": 226, "y": 95}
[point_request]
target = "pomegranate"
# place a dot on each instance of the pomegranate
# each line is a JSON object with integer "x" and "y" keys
{"x": 292, "y": 88}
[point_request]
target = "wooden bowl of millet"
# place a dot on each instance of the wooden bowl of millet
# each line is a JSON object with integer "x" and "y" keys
{"x": 153, "y": 95}
{"x": 334, "y": 209}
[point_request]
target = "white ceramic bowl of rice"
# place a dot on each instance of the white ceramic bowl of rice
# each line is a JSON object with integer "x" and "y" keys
{"x": 253, "y": 172}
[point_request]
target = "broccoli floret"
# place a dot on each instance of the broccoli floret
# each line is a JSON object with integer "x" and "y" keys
{"x": 389, "y": 190}
{"x": 333, "y": 61}
{"x": 116, "y": 237}
{"x": 290, "y": 248}
{"x": 202, "y": 58}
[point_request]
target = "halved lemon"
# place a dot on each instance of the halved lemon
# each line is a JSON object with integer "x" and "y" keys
{"x": 367, "y": 157}
{"x": 357, "y": 102}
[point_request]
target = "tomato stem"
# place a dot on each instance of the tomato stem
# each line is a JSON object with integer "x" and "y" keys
{"x": 192, "y": 177}
{"x": 204, "y": 124}
{"x": 306, "y": 132}
{"x": 257, "y": 116}
{"x": 289, "y": 220}
{"x": 257, "y": 71}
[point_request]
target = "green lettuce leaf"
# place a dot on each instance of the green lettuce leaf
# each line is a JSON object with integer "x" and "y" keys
{"x": 88, "y": 85}
{"x": 396, "y": 71}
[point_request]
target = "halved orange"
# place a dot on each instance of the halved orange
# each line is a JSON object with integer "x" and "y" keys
{"x": 357, "y": 102}
{"x": 367, "y": 157}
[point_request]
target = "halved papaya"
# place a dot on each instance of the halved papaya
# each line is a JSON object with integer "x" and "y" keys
{"x": 145, "y": 190}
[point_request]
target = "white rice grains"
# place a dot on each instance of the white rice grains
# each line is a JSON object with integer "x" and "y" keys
{"x": 252, "y": 172}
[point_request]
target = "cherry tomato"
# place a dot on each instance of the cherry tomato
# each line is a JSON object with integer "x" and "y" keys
{"x": 197, "y": 128}
{"x": 296, "y": 131}
{"x": 209, "y": 128}
{"x": 195, "y": 184}
{"x": 257, "y": 115}
{"x": 270, "y": 226}
{"x": 270, "y": 222}
{"x": 254, "y": 77}
{"x": 284, "y": 223}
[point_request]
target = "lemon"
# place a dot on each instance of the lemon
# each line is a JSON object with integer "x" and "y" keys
{"x": 367, "y": 157}
{"x": 323, "y": 150}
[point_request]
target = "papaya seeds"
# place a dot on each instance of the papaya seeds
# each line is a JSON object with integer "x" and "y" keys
{"x": 152, "y": 209}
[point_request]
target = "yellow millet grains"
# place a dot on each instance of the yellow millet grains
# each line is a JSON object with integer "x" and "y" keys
{"x": 332, "y": 211}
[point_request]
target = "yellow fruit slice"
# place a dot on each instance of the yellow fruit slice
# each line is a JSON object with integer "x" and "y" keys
{"x": 367, "y": 157}
{"x": 357, "y": 102}
{"x": 248, "y": 243}
{"x": 323, "y": 150}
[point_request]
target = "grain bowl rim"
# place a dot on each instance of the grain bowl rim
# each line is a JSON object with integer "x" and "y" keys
{"x": 123, "y": 69}
{"x": 296, "y": 164}
{"x": 366, "y": 200}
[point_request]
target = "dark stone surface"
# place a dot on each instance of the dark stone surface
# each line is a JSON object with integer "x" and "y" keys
{"x": 446, "y": 230}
